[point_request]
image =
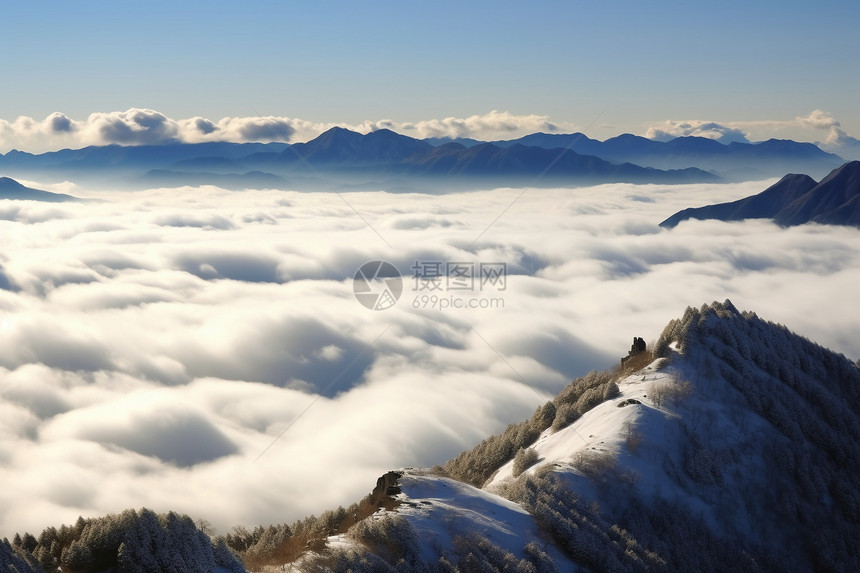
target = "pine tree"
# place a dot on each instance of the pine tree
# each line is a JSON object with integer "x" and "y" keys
{"x": 544, "y": 416}
{"x": 29, "y": 543}
{"x": 523, "y": 460}
{"x": 226, "y": 559}
{"x": 77, "y": 557}
{"x": 127, "y": 558}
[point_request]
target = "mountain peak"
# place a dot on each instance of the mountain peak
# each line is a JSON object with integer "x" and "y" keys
{"x": 764, "y": 205}
{"x": 834, "y": 201}
{"x": 9, "y": 183}
{"x": 735, "y": 431}
{"x": 847, "y": 171}
{"x": 384, "y": 131}
{"x": 350, "y": 148}
{"x": 338, "y": 130}
{"x": 793, "y": 200}
{"x": 11, "y": 189}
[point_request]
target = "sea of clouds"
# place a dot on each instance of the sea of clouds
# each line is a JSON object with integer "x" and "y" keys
{"x": 202, "y": 351}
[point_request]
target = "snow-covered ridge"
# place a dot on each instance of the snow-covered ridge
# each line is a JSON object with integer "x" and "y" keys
{"x": 748, "y": 432}
{"x": 601, "y": 429}
{"x": 737, "y": 448}
{"x": 441, "y": 509}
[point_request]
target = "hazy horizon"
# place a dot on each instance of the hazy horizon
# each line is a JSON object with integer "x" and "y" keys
{"x": 142, "y": 126}
{"x": 760, "y": 71}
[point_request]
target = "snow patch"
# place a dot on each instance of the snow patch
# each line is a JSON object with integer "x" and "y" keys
{"x": 441, "y": 509}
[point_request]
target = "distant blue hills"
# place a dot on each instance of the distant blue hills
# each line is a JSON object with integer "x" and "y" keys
{"x": 733, "y": 161}
{"x": 344, "y": 159}
{"x": 793, "y": 200}
{"x": 386, "y": 152}
{"x": 343, "y": 147}
{"x": 11, "y": 189}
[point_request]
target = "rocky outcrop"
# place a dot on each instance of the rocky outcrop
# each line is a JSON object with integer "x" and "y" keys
{"x": 638, "y": 347}
{"x": 386, "y": 488}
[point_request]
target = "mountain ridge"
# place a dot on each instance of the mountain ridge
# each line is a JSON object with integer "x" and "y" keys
{"x": 532, "y": 162}
{"x": 733, "y": 161}
{"x": 793, "y": 200}
{"x": 835, "y": 200}
{"x": 342, "y": 145}
{"x": 354, "y": 159}
{"x": 384, "y": 154}
{"x": 13, "y": 190}
{"x": 731, "y": 445}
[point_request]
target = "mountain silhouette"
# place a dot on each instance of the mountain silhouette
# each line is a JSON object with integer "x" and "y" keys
{"x": 735, "y": 160}
{"x": 383, "y": 158}
{"x": 233, "y": 181}
{"x": 489, "y": 160}
{"x": 349, "y": 148}
{"x": 764, "y": 205}
{"x": 385, "y": 154}
{"x": 834, "y": 201}
{"x": 793, "y": 200}
{"x": 134, "y": 156}
{"x": 11, "y": 189}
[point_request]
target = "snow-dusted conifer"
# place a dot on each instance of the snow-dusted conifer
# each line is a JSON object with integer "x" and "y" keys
{"x": 523, "y": 460}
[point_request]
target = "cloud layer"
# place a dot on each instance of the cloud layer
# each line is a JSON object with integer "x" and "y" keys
{"x": 836, "y": 139}
{"x": 696, "y": 128}
{"x": 202, "y": 350}
{"x": 145, "y": 126}
{"x": 148, "y": 127}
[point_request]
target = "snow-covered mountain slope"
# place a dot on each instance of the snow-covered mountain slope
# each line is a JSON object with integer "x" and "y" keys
{"x": 441, "y": 510}
{"x": 602, "y": 429}
{"x": 737, "y": 448}
{"x": 642, "y": 440}
{"x": 441, "y": 524}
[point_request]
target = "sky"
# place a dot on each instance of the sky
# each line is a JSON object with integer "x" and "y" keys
{"x": 605, "y": 68}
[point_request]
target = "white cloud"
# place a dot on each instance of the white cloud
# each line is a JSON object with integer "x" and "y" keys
{"x": 242, "y": 129}
{"x": 803, "y": 128}
{"x": 149, "y": 423}
{"x": 155, "y": 345}
{"x": 671, "y": 129}
{"x": 487, "y": 127}
{"x": 132, "y": 127}
{"x": 145, "y": 127}
{"x": 837, "y": 140}
{"x": 818, "y": 119}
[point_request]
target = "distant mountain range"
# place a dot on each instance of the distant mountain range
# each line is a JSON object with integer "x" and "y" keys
{"x": 735, "y": 161}
{"x": 383, "y": 159}
{"x": 11, "y": 189}
{"x": 232, "y": 181}
{"x": 385, "y": 152}
{"x": 345, "y": 148}
{"x": 793, "y": 200}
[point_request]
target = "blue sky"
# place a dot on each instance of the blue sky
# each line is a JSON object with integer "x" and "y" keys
{"x": 629, "y": 64}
